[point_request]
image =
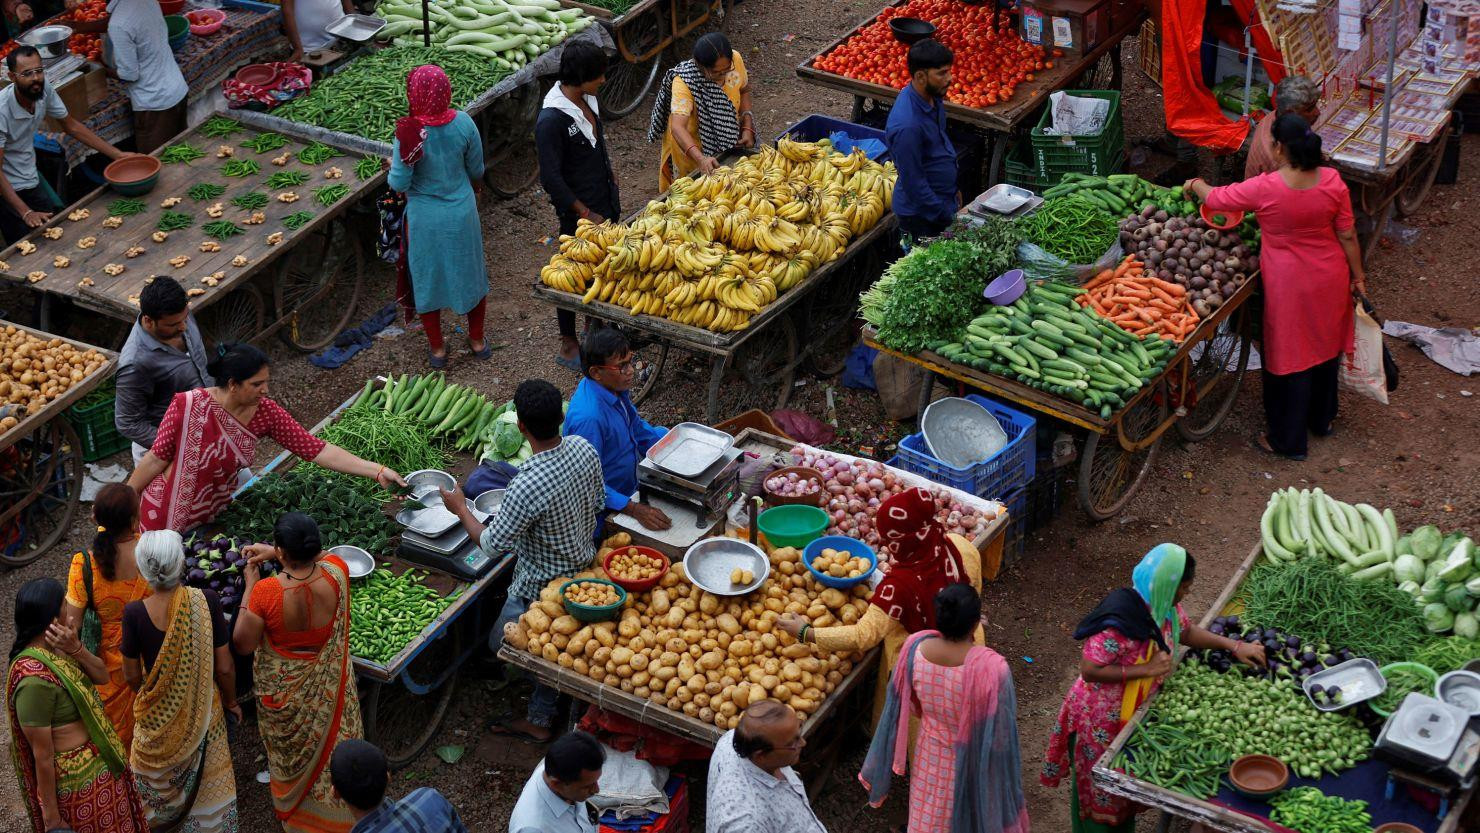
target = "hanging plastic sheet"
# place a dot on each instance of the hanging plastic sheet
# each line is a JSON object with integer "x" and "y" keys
{"x": 1191, "y": 111}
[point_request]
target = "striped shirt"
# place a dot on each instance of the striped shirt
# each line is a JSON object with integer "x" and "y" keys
{"x": 423, "y": 811}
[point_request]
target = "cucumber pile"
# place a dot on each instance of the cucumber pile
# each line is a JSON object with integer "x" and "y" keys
{"x": 1047, "y": 341}
{"x": 1122, "y": 194}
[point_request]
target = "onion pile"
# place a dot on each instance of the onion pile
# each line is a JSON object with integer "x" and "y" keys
{"x": 855, "y": 490}
{"x": 792, "y": 485}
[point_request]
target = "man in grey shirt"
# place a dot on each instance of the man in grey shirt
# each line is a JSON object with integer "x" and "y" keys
{"x": 26, "y": 201}
{"x": 164, "y": 355}
{"x": 144, "y": 62}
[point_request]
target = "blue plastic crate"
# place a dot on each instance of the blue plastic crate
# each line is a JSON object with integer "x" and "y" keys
{"x": 1015, "y": 539}
{"x": 817, "y": 126}
{"x": 1012, "y": 467}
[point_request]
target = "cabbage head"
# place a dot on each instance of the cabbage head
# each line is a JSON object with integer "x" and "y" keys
{"x": 1408, "y": 568}
{"x": 1466, "y": 625}
{"x": 1438, "y": 618}
{"x": 1425, "y": 541}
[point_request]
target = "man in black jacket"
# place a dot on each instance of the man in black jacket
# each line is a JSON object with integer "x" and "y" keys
{"x": 575, "y": 169}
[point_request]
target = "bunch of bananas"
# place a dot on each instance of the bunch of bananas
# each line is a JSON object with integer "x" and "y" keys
{"x": 721, "y": 247}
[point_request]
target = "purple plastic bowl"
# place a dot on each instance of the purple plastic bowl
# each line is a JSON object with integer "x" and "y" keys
{"x": 1008, "y": 287}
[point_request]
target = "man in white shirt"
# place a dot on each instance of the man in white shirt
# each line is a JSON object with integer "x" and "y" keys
{"x": 554, "y": 798}
{"x": 306, "y": 22}
{"x": 144, "y": 62}
{"x": 752, "y": 786}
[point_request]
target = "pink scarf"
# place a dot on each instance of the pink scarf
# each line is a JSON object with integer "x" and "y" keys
{"x": 213, "y": 446}
{"x": 429, "y": 100}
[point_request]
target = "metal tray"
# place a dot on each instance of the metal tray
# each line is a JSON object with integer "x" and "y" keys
{"x": 356, "y": 27}
{"x": 708, "y": 565}
{"x": 689, "y": 449}
{"x": 1358, "y": 679}
{"x": 435, "y": 520}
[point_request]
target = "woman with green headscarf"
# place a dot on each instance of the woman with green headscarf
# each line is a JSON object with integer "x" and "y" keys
{"x": 1128, "y": 647}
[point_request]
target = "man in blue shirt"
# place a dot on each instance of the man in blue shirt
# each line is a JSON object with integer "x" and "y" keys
{"x": 602, "y": 413}
{"x": 360, "y": 774}
{"x": 925, "y": 195}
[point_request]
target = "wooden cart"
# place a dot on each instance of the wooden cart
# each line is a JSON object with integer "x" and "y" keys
{"x": 1172, "y": 803}
{"x": 270, "y": 293}
{"x": 1399, "y": 189}
{"x": 41, "y": 468}
{"x": 642, "y": 34}
{"x": 1194, "y": 393}
{"x": 1000, "y": 124}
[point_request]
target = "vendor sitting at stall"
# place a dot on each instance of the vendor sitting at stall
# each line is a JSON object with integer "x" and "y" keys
{"x": 923, "y": 559}
{"x": 209, "y": 435}
{"x": 26, "y": 200}
{"x": 601, "y": 411}
{"x": 1293, "y": 94}
{"x": 547, "y": 519}
{"x": 164, "y": 355}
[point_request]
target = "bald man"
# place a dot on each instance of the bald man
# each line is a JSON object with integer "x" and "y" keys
{"x": 752, "y": 786}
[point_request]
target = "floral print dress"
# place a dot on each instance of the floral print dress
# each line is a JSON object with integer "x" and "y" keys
{"x": 1089, "y": 721}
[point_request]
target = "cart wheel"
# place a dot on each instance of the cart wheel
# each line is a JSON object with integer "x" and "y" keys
{"x": 305, "y": 290}
{"x": 403, "y": 722}
{"x": 832, "y": 312}
{"x": 1416, "y": 190}
{"x": 759, "y": 374}
{"x": 648, "y": 359}
{"x": 1109, "y": 474}
{"x": 510, "y": 161}
{"x": 240, "y": 316}
{"x": 1216, "y": 384}
{"x": 40, "y": 481}
{"x": 629, "y": 82}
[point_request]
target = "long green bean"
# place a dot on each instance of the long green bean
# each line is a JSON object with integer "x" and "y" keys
{"x": 180, "y": 154}
{"x": 1071, "y": 228}
{"x": 174, "y": 221}
{"x": 1374, "y": 619}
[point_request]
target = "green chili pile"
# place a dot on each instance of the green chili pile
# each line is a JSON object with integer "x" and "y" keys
{"x": 174, "y": 221}
{"x": 222, "y": 229}
{"x": 286, "y": 179}
{"x": 1309, "y": 810}
{"x": 180, "y": 153}
{"x": 202, "y": 191}
{"x": 219, "y": 127}
{"x": 317, "y": 153}
{"x": 1071, "y": 228}
{"x": 297, "y": 220}
{"x": 265, "y": 142}
{"x": 126, "y": 208}
{"x": 239, "y": 168}
{"x": 387, "y": 611}
{"x": 250, "y": 201}
{"x": 329, "y": 194}
{"x": 367, "y": 167}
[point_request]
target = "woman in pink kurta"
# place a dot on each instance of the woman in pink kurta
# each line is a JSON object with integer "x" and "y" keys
{"x": 1311, "y": 265}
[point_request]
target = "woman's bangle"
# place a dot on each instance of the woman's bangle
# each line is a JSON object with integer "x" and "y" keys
{"x": 379, "y": 473}
{"x": 802, "y": 634}
{"x": 1122, "y": 675}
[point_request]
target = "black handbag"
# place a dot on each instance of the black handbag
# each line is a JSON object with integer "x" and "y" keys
{"x": 1389, "y": 364}
{"x": 392, "y": 210}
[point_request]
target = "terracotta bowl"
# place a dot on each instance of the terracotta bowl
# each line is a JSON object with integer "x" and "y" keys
{"x": 133, "y": 175}
{"x": 1258, "y": 776}
{"x": 258, "y": 75}
{"x": 1397, "y": 827}
{"x": 804, "y": 473}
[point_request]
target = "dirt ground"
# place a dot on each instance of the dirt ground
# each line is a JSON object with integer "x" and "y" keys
{"x": 1412, "y": 455}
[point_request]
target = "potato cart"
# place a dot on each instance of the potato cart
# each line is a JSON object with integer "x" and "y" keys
{"x": 404, "y": 701}
{"x": 1194, "y": 392}
{"x": 641, "y": 34}
{"x": 1001, "y": 124}
{"x": 1172, "y": 803}
{"x": 505, "y": 114}
{"x": 244, "y": 289}
{"x": 41, "y": 462}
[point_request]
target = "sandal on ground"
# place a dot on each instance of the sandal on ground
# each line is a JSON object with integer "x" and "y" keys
{"x": 1261, "y": 442}
{"x": 437, "y": 362}
{"x": 484, "y": 354}
{"x": 502, "y": 727}
{"x": 569, "y": 363}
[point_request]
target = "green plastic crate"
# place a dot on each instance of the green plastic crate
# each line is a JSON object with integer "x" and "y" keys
{"x": 1098, "y": 154}
{"x": 93, "y": 420}
{"x": 1019, "y": 169}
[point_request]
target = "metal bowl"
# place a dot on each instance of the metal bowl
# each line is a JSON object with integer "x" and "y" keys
{"x": 961, "y": 433}
{"x": 1460, "y": 689}
{"x": 50, "y": 41}
{"x": 709, "y": 563}
{"x": 489, "y": 502}
{"x": 908, "y": 30}
{"x": 358, "y": 561}
{"x": 430, "y": 480}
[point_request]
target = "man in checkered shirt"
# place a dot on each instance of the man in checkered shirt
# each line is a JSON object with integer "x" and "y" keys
{"x": 547, "y": 519}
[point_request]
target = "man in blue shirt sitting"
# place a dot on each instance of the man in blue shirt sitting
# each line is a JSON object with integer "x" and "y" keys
{"x": 925, "y": 194}
{"x": 601, "y": 412}
{"x": 359, "y": 772}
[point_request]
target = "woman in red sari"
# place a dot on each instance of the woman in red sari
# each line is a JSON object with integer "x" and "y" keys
{"x": 209, "y": 435}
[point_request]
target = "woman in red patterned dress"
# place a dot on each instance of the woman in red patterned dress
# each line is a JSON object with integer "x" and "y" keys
{"x": 209, "y": 435}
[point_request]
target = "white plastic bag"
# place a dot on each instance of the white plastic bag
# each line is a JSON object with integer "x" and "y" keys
{"x": 1073, "y": 115}
{"x": 1362, "y": 371}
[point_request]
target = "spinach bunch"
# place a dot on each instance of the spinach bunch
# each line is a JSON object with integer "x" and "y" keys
{"x": 344, "y": 515}
{"x": 937, "y": 289}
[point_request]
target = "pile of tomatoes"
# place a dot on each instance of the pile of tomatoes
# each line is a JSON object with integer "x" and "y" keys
{"x": 990, "y": 63}
{"x": 88, "y": 46}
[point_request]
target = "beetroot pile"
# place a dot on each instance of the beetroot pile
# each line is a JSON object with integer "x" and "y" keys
{"x": 855, "y": 490}
{"x": 1211, "y": 264}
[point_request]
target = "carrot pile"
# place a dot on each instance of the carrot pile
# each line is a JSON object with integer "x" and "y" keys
{"x": 1139, "y": 302}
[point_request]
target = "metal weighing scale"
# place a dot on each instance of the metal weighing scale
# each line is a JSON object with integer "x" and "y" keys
{"x": 708, "y": 493}
{"x": 1429, "y": 744}
{"x": 452, "y": 552}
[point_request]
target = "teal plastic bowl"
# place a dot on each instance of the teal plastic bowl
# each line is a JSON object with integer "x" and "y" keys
{"x": 178, "y": 28}
{"x": 591, "y": 613}
{"x": 796, "y": 525}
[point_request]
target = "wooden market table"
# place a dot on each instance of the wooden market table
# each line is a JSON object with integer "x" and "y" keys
{"x": 641, "y": 36}
{"x": 327, "y": 258}
{"x": 1172, "y": 803}
{"x": 1119, "y": 450}
{"x": 1001, "y": 123}
{"x": 41, "y": 467}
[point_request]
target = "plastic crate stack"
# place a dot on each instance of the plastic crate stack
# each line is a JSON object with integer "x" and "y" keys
{"x": 1003, "y": 477}
{"x": 1042, "y": 161}
{"x": 92, "y": 418}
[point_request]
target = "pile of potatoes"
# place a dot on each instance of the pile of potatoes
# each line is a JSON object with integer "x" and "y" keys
{"x": 34, "y": 371}
{"x": 704, "y": 655}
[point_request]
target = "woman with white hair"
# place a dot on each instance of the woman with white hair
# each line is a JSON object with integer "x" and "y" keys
{"x": 175, "y": 642}
{"x": 1294, "y": 94}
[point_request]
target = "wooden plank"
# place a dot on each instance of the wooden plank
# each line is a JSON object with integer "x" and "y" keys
{"x": 110, "y": 294}
{"x": 606, "y": 17}
{"x": 54, "y": 408}
{"x": 1004, "y": 117}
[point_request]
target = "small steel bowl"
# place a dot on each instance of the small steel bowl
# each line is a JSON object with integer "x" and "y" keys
{"x": 50, "y": 41}
{"x": 358, "y": 561}
{"x": 489, "y": 502}
{"x": 430, "y": 480}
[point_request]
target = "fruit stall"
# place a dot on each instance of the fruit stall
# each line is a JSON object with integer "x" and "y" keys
{"x": 495, "y": 72}
{"x": 1366, "y": 715}
{"x": 1147, "y": 332}
{"x": 728, "y": 267}
{"x": 216, "y": 209}
{"x": 1000, "y": 80}
{"x": 41, "y": 375}
{"x": 683, "y": 644}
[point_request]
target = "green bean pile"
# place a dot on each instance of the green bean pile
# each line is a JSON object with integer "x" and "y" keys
{"x": 202, "y": 191}
{"x": 219, "y": 127}
{"x": 126, "y": 208}
{"x": 616, "y": 7}
{"x": 1448, "y": 653}
{"x": 250, "y": 201}
{"x": 1071, "y": 228}
{"x": 286, "y": 179}
{"x": 265, "y": 142}
{"x": 297, "y": 220}
{"x": 174, "y": 221}
{"x": 1309, "y": 810}
{"x": 396, "y": 440}
{"x": 329, "y": 194}
{"x": 1170, "y": 757}
{"x": 367, "y": 96}
{"x": 317, "y": 153}
{"x": 387, "y": 611}
{"x": 367, "y": 167}
{"x": 1400, "y": 683}
{"x": 1311, "y": 597}
{"x": 238, "y": 168}
{"x": 180, "y": 153}
{"x": 222, "y": 229}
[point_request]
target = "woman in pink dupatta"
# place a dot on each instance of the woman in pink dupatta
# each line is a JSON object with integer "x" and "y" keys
{"x": 967, "y": 768}
{"x": 209, "y": 435}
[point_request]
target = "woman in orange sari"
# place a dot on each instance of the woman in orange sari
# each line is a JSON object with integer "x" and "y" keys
{"x": 106, "y": 580}
{"x": 297, "y": 622}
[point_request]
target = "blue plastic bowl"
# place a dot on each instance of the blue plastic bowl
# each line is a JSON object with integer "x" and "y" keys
{"x": 839, "y": 542}
{"x": 1008, "y": 287}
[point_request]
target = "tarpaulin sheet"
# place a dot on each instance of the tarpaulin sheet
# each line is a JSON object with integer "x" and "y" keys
{"x": 1191, "y": 111}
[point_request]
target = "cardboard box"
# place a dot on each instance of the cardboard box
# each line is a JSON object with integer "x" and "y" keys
{"x": 75, "y": 93}
{"x": 1070, "y": 25}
